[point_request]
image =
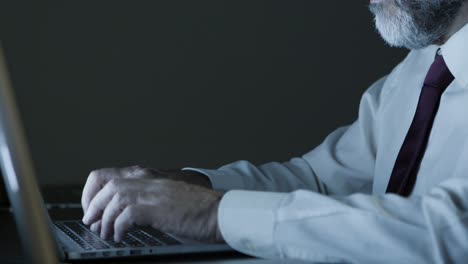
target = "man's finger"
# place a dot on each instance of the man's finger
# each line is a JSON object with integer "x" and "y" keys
{"x": 96, "y": 227}
{"x": 113, "y": 209}
{"x": 99, "y": 202}
{"x": 96, "y": 180}
{"x": 133, "y": 214}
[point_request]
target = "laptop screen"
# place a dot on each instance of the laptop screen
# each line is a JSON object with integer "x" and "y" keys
{"x": 18, "y": 174}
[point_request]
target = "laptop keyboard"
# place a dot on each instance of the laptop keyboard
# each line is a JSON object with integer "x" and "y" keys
{"x": 88, "y": 240}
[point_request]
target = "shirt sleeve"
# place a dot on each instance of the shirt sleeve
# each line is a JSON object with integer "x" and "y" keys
{"x": 358, "y": 228}
{"x": 344, "y": 163}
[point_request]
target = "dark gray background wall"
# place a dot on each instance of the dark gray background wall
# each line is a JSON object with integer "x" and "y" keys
{"x": 186, "y": 83}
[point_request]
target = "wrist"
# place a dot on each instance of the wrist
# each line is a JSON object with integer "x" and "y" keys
{"x": 195, "y": 177}
{"x": 218, "y": 237}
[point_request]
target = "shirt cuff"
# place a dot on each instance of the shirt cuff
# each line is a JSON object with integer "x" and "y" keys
{"x": 247, "y": 221}
{"x": 220, "y": 180}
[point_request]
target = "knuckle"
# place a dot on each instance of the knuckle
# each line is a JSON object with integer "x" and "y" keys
{"x": 138, "y": 167}
{"x": 114, "y": 183}
{"x": 94, "y": 175}
{"x": 103, "y": 175}
{"x": 121, "y": 201}
{"x": 120, "y": 198}
{"x": 138, "y": 171}
{"x": 134, "y": 170}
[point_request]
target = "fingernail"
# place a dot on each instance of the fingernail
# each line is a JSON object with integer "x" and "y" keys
{"x": 85, "y": 219}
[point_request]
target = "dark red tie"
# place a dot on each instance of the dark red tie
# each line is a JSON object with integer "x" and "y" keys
{"x": 407, "y": 163}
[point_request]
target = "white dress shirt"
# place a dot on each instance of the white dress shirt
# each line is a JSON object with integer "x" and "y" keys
{"x": 331, "y": 205}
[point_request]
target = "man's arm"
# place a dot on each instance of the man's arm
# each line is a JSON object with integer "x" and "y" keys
{"x": 358, "y": 228}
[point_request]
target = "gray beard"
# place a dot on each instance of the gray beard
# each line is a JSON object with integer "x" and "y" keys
{"x": 414, "y": 24}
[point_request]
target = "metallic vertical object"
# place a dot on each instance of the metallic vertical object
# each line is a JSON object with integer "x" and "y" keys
{"x": 33, "y": 222}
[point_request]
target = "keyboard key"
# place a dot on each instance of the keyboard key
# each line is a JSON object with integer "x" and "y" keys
{"x": 165, "y": 238}
{"x": 131, "y": 241}
{"x": 114, "y": 244}
{"x": 145, "y": 238}
{"x": 134, "y": 238}
{"x": 74, "y": 237}
{"x": 82, "y": 233}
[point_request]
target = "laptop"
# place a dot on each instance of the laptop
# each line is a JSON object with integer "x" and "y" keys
{"x": 45, "y": 241}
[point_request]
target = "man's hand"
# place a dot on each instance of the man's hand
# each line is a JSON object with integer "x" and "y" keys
{"x": 98, "y": 178}
{"x": 115, "y": 199}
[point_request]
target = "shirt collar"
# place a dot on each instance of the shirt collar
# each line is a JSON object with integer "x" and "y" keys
{"x": 456, "y": 55}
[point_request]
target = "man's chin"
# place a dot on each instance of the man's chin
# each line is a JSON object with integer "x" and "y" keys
{"x": 414, "y": 26}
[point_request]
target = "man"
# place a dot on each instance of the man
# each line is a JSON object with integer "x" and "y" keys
{"x": 392, "y": 187}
